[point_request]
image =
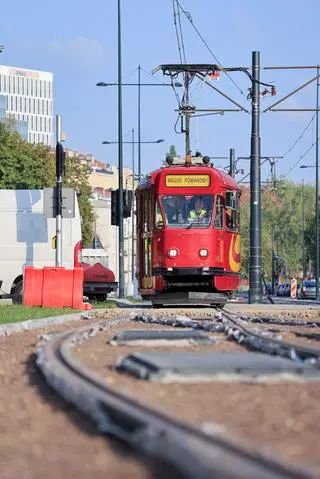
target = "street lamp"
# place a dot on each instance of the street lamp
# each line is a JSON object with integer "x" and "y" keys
{"x": 139, "y": 84}
{"x": 120, "y": 161}
{"x": 132, "y": 142}
{"x": 176, "y": 84}
{"x": 316, "y": 166}
{"x": 105, "y": 142}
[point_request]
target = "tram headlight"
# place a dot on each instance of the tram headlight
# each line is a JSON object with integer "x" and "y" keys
{"x": 172, "y": 253}
{"x": 203, "y": 252}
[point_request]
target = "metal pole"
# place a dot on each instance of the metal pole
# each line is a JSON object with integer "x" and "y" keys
{"x": 120, "y": 161}
{"x": 232, "y": 170}
{"x": 59, "y": 151}
{"x": 187, "y": 115}
{"x": 255, "y": 292}
{"x": 58, "y": 200}
{"x": 58, "y": 128}
{"x": 317, "y": 190}
{"x": 272, "y": 263}
{"x": 139, "y": 121}
{"x": 132, "y": 212}
{"x": 303, "y": 235}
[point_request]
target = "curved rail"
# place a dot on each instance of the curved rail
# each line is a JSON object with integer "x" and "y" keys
{"x": 261, "y": 342}
{"x": 186, "y": 448}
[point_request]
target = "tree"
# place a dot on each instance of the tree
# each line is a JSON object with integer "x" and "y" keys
{"x": 281, "y": 218}
{"x": 172, "y": 151}
{"x": 22, "y": 165}
{"x": 77, "y": 176}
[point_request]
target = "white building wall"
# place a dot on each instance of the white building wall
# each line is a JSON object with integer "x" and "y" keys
{"x": 30, "y": 98}
{"x": 108, "y": 235}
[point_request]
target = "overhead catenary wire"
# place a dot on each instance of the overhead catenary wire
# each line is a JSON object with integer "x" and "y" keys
{"x": 299, "y": 137}
{"x": 301, "y": 157}
{"x": 178, "y": 30}
{"x": 189, "y": 17}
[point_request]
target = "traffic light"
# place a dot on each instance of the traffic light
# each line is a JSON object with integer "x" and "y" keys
{"x": 114, "y": 208}
{"x": 126, "y": 205}
{"x": 60, "y": 160}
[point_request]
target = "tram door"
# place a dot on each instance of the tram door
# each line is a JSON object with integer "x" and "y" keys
{"x": 219, "y": 226}
{"x": 146, "y": 239}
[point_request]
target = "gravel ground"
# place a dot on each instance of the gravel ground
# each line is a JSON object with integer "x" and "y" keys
{"x": 283, "y": 417}
{"x": 42, "y": 436}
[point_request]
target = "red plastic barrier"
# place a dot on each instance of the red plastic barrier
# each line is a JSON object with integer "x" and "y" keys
{"x": 32, "y": 286}
{"x": 54, "y": 287}
{"x": 77, "y": 291}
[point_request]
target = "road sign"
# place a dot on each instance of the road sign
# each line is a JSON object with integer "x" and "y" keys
{"x": 68, "y": 203}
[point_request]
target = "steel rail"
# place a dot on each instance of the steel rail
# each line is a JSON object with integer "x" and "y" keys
{"x": 281, "y": 321}
{"x": 261, "y": 342}
{"x": 194, "y": 453}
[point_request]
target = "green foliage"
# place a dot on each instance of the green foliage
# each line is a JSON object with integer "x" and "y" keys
{"x": 26, "y": 166}
{"x": 172, "y": 151}
{"x": 77, "y": 176}
{"x": 281, "y": 217}
{"x": 22, "y": 165}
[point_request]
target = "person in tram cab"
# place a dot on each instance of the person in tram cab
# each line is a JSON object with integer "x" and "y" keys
{"x": 199, "y": 212}
{"x": 172, "y": 210}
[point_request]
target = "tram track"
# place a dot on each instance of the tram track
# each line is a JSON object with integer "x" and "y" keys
{"x": 194, "y": 453}
{"x": 261, "y": 341}
{"x": 235, "y": 328}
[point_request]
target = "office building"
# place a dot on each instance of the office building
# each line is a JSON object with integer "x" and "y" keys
{"x": 26, "y": 103}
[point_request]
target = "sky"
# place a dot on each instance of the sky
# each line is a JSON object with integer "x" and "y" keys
{"x": 77, "y": 41}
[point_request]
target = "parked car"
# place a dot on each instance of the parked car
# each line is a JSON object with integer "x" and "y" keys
{"x": 287, "y": 289}
{"x": 308, "y": 289}
{"x": 281, "y": 289}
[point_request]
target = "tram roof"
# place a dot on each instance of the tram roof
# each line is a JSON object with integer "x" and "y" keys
{"x": 218, "y": 175}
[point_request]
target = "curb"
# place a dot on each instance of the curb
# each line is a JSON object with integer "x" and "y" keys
{"x": 7, "y": 329}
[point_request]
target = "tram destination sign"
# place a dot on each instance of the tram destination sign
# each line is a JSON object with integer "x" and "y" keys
{"x": 188, "y": 180}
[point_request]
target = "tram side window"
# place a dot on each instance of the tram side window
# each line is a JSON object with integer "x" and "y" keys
{"x": 232, "y": 210}
{"x": 218, "y": 217}
{"x": 159, "y": 219}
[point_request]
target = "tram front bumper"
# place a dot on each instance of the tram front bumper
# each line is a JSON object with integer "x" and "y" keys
{"x": 189, "y": 297}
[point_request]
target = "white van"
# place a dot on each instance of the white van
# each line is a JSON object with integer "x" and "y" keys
{"x": 28, "y": 238}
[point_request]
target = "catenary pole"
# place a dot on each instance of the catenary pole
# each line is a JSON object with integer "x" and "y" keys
{"x": 317, "y": 190}
{"x": 255, "y": 275}
{"x": 303, "y": 232}
{"x": 58, "y": 191}
{"x": 132, "y": 212}
{"x": 232, "y": 157}
{"x": 120, "y": 161}
{"x": 139, "y": 121}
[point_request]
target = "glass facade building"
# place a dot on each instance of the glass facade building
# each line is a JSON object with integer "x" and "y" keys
{"x": 26, "y": 101}
{"x": 20, "y": 126}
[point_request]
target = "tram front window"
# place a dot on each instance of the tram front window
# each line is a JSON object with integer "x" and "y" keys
{"x": 186, "y": 211}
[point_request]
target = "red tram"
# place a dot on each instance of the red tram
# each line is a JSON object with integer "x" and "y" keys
{"x": 188, "y": 242}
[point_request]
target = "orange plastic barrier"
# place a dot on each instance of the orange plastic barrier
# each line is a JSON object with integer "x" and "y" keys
{"x": 54, "y": 287}
{"x": 293, "y": 292}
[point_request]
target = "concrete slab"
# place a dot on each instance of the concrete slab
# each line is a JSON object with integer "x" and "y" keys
{"x": 195, "y": 366}
{"x": 157, "y": 337}
{"x": 256, "y": 308}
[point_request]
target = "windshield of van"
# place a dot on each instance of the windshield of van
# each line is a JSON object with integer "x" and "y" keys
{"x": 187, "y": 211}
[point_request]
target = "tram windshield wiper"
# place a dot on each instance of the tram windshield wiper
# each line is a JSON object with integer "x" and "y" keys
{"x": 198, "y": 220}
